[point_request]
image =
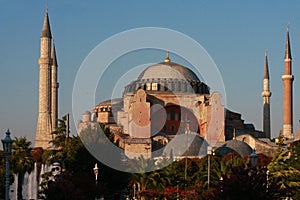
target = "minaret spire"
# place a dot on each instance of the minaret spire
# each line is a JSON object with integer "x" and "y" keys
{"x": 266, "y": 69}
{"x": 287, "y": 79}
{"x": 46, "y": 31}
{"x": 266, "y": 94}
{"x": 287, "y": 45}
{"x": 53, "y": 53}
{"x": 54, "y": 88}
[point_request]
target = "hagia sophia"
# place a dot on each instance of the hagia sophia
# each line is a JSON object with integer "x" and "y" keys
{"x": 165, "y": 102}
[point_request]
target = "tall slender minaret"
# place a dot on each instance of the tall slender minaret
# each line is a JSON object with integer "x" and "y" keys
{"x": 266, "y": 94}
{"x": 44, "y": 127}
{"x": 54, "y": 89}
{"x": 287, "y": 79}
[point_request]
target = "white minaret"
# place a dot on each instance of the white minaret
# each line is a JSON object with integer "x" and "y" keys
{"x": 54, "y": 88}
{"x": 44, "y": 127}
{"x": 266, "y": 94}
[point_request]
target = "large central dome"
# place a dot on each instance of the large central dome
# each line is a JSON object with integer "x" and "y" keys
{"x": 168, "y": 77}
{"x": 167, "y": 70}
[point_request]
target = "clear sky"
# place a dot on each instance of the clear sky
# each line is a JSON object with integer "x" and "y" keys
{"x": 234, "y": 33}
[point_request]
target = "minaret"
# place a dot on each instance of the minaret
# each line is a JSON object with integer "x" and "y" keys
{"x": 54, "y": 89}
{"x": 266, "y": 94}
{"x": 287, "y": 79}
{"x": 44, "y": 128}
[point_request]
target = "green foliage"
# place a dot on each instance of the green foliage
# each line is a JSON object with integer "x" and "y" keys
{"x": 77, "y": 181}
{"x": 285, "y": 169}
{"x": 246, "y": 183}
{"x": 238, "y": 179}
{"x": 21, "y": 160}
{"x": 67, "y": 186}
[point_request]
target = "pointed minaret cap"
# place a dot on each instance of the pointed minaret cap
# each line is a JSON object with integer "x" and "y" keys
{"x": 266, "y": 71}
{"x": 167, "y": 59}
{"x": 287, "y": 45}
{"x": 53, "y": 54}
{"x": 46, "y": 32}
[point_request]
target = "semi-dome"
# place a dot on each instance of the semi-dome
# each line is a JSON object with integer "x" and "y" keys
{"x": 168, "y": 77}
{"x": 191, "y": 144}
{"x": 242, "y": 148}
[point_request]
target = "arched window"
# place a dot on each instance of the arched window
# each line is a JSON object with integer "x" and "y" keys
{"x": 148, "y": 86}
{"x": 172, "y": 114}
{"x": 154, "y": 86}
{"x": 178, "y": 86}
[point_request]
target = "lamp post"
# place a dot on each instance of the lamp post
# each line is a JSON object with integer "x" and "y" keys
{"x": 187, "y": 131}
{"x": 96, "y": 172}
{"x": 177, "y": 192}
{"x": 221, "y": 182}
{"x": 7, "y": 146}
{"x": 253, "y": 158}
{"x": 209, "y": 152}
{"x": 268, "y": 172}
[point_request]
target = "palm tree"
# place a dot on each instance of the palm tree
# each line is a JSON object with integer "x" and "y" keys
{"x": 22, "y": 161}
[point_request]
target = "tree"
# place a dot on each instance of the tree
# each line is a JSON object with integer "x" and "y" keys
{"x": 247, "y": 183}
{"x": 141, "y": 166}
{"x": 22, "y": 161}
{"x": 59, "y": 135}
{"x": 78, "y": 166}
{"x": 285, "y": 169}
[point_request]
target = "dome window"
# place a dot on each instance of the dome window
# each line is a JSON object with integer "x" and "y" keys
{"x": 154, "y": 86}
{"x": 148, "y": 86}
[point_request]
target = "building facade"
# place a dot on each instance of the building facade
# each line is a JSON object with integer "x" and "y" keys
{"x": 165, "y": 101}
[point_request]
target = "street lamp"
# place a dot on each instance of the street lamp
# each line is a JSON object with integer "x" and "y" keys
{"x": 177, "y": 196}
{"x": 96, "y": 172}
{"x": 253, "y": 158}
{"x": 209, "y": 153}
{"x": 268, "y": 172}
{"x": 221, "y": 183}
{"x": 7, "y": 146}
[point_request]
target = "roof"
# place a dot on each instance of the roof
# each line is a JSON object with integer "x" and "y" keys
{"x": 167, "y": 70}
{"x": 186, "y": 145}
{"x": 111, "y": 102}
{"x": 239, "y": 147}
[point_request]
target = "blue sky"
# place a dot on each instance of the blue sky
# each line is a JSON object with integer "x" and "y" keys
{"x": 234, "y": 33}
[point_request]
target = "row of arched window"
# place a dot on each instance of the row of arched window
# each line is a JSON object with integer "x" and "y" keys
{"x": 174, "y": 85}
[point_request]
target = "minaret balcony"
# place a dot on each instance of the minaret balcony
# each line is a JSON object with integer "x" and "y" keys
{"x": 287, "y": 77}
{"x": 266, "y": 93}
